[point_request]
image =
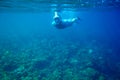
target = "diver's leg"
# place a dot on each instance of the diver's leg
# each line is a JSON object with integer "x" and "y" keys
{"x": 75, "y": 20}
{"x": 70, "y": 22}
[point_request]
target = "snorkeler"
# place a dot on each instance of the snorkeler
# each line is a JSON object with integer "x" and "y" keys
{"x": 63, "y": 23}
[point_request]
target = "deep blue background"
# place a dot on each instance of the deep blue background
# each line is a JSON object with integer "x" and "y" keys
{"x": 102, "y": 26}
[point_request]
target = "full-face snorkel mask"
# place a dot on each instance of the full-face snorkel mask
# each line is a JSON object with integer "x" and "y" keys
{"x": 57, "y": 19}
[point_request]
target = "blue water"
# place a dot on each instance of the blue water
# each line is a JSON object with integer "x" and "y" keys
{"x": 31, "y": 48}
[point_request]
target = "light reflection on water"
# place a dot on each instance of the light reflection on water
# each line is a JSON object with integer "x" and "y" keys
{"x": 48, "y": 5}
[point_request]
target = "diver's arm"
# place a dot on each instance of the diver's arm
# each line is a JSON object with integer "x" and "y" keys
{"x": 53, "y": 23}
{"x": 56, "y": 15}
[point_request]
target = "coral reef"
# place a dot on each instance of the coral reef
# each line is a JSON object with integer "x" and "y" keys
{"x": 51, "y": 59}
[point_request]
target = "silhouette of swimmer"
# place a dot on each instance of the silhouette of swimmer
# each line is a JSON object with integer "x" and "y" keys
{"x": 60, "y": 23}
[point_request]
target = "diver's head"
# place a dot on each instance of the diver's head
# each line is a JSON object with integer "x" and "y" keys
{"x": 57, "y": 19}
